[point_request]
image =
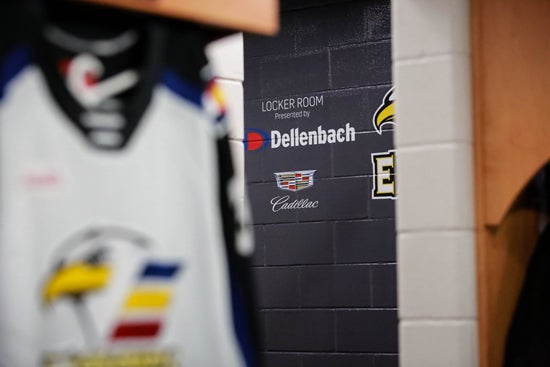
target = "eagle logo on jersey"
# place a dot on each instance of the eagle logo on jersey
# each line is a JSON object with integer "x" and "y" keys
{"x": 85, "y": 270}
{"x": 385, "y": 113}
{"x": 76, "y": 279}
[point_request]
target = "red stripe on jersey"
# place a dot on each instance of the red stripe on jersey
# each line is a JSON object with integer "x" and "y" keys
{"x": 137, "y": 329}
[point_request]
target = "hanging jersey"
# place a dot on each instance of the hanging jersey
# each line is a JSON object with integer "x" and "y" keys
{"x": 112, "y": 242}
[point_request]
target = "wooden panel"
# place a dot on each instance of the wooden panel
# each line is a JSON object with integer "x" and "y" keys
{"x": 256, "y": 16}
{"x": 511, "y": 80}
{"x": 511, "y": 53}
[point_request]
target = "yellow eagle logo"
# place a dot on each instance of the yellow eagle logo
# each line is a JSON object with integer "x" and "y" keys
{"x": 385, "y": 113}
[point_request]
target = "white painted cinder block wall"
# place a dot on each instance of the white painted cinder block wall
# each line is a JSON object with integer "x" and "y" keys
{"x": 227, "y": 63}
{"x": 435, "y": 208}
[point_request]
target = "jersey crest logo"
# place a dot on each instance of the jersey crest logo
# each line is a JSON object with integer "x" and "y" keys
{"x": 385, "y": 114}
{"x": 295, "y": 181}
{"x": 84, "y": 274}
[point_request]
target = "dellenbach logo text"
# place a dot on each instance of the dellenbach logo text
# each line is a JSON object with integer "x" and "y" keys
{"x": 293, "y": 181}
{"x": 297, "y": 138}
{"x": 256, "y": 139}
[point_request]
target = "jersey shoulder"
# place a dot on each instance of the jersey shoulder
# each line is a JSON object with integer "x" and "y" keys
{"x": 207, "y": 96}
{"x": 15, "y": 20}
{"x": 12, "y": 63}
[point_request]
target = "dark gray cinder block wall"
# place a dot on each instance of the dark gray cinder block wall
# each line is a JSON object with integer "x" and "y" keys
{"x": 325, "y": 266}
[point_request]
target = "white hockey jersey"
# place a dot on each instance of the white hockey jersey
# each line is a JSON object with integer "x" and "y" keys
{"x": 112, "y": 248}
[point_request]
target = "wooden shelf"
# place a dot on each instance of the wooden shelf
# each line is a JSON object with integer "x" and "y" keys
{"x": 255, "y": 16}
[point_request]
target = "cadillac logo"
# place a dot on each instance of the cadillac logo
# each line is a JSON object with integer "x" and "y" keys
{"x": 295, "y": 181}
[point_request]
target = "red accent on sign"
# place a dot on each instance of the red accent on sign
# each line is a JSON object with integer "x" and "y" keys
{"x": 137, "y": 329}
{"x": 255, "y": 141}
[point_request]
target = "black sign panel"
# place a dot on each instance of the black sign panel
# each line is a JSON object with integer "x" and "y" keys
{"x": 320, "y": 156}
{"x": 320, "y": 168}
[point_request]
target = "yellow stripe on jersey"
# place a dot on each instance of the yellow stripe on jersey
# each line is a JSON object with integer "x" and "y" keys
{"x": 150, "y": 299}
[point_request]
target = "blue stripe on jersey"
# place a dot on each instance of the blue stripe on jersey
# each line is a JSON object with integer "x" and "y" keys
{"x": 12, "y": 65}
{"x": 183, "y": 89}
{"x": 159, "y": 270}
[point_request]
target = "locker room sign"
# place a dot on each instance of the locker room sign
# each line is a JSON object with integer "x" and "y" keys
{"x": 304, "y": 152}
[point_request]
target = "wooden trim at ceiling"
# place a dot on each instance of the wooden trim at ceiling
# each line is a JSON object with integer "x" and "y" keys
{"x": 255, "y": 16}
